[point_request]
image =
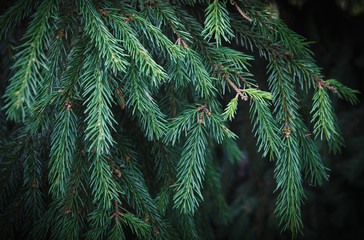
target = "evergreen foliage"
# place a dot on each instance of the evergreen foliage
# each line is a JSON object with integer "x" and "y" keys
{"x": 116, "y": 123}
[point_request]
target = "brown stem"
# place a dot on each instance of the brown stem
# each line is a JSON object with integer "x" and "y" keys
{"x": 116, "y": 214}
{"x": 242, "y": 79}
{"x": 241, "y": 12}
{"x": 321, "y": 84}
{"x": 237, "y": 90}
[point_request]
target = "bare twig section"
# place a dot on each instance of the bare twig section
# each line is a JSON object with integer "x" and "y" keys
{"x": 241, "y": 12}
{"x": 248, "y": 18}
{"x": 266, "y": 24}
{"x": 203, "y": 109}
{"x": 242, "y": 79}
{"x": 239, "y": 92}
{"x": 180, "y": 39}
{"x": 116, "y": 214}
{"x": 321, "y": 84}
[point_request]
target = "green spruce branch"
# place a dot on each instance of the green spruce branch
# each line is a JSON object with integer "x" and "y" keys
{"x": 115, "y": 117}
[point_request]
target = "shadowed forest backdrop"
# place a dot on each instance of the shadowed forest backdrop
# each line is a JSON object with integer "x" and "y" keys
{"x": 335, "y": 209}
{"x": 337, "y": 28}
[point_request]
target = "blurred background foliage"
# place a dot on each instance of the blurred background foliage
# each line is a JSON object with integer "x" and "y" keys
{"x": 334, "y": 210}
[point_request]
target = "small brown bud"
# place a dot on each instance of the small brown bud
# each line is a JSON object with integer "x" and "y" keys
{"x": 118, "y": 173}
{"x": 200, "y": 119}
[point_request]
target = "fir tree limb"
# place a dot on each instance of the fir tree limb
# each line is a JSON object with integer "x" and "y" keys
{"x": 103, "y": 40}
{"x": 289, "y": 182}
{"x": 264, "y": 125}
{"x": 343, "y": 91}
{"x": 217, "y": 23}
{"x": 31, "y": 60}
{"x": 191, "y": 171}
{"x": 136, "y": 50}
{"x": 143, "y": 105}
{"x": 325, "y": 120}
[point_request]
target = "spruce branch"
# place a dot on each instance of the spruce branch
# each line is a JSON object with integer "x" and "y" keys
{"x": 34, "y": 198}
{"x": 168, "y": 15}
{"x": 231, "y": 109}
{"x": 181, "y": 124}
{"x": 116, "y": 232}
{"x": 256, "y": 14}
{"x": 217, "y": 23}
{"x": 50, "y": 95}
{"x": 264, "y": 125}
{"x": 99, "y": 222}
{"x": 75, "y": 165}
{"x": 10, "y": 168}
{"x": 325, "y": 123}
{"x": 187, "y": 226}
{"x": 23, "y": 86}
{"x": 239, "y": 92}
{"x": 63, "y": 147}
{"x": 138, "y": 226}
{"x": 99, "y": 118}
{"x": 198, "y": 74}
{"x": 287, "y": 171}
{"x": 107, "y": 45}
{"x": 165, "y": 160}
{"x": 135, "y": 49}
{"x": 154, "y": 34}
{"x": 214, "y": 187}
{"x": 343, "y": 91}
{"x": 137, "y": 196}
{"x": 218, "y": 128}
{"x": 99, "y": 123}
{"x": 65, "y": 131}
{"x": 312, "y": 164}
{"x": 289, "y": 182}
{"x": 191, "y": 171}
{"x": 151, "y": 119}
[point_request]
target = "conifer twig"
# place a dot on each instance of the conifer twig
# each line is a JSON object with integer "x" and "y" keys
{"x": 116, "y": 213}
{"x": 73, "y": 165}
{"x": 241, "y": 12}
{"x": 179, "y": 37}
{"x": 237, "y": 90}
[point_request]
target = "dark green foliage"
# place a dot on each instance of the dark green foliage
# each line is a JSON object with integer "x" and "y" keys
{"x": 117, "y": 120}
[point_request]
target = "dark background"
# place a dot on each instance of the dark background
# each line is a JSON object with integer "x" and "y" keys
{"x": 337, "y": 28}
{"x": 336, "y": 209}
